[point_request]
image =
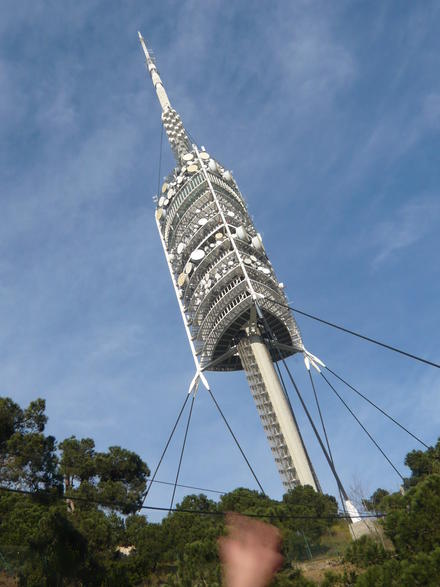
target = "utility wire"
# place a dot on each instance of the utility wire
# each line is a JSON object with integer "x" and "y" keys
{"x": 236, "y": 441}
{"x": 165, "y": 449}
{"x": 183, "y": 448}
{"x": 362, "y": 426}
{"x": 348, "y": 331}
{"x": 181, "y": 510}
{"x": 190, "y": 487}
{"x": 377, "y": 407}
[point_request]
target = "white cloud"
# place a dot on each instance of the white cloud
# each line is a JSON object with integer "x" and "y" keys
{"x": 431, "y": 111}
{"x": 315, "y": 62}
{"x": 411, "y": 223}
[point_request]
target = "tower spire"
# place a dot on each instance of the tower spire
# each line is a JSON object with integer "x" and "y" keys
{"x": 176, "y": 133}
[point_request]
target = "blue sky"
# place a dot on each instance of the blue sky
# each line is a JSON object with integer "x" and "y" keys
{"x": 329, "y": 116}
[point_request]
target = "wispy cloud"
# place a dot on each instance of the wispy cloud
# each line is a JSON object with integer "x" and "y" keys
{"x": 411, "y": 223}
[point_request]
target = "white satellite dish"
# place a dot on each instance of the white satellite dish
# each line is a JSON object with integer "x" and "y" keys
{"x": 161, "y": 201}
{"x": 179, "y": 179}
{"x": 192, "y": 168}
{"x": 188, "y": 157}
{"x": 197, "y": 255}
{"x": 180, "y": 248}
{"x": 256, "y": 243}
{"x": 166, "y": 202}
{"x": 164, "y": 187}
{"x": 204, "y": 155}
{"x": 219, "y": 236}
{"x": 159, "y": 213}
{"x": 171, "y": 193}
{"x": 230, "y": 213}
{"x": 227, "y": 176}
{"x": 203, "y": 221}
{"x": 212, "y": 165}
{"x": 181, "y": 280}
{"x": 188, "y": 268}
{"x": 241, "y": 233}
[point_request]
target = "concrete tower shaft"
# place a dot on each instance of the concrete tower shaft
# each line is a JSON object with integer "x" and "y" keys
{"x": 223, "y": 278}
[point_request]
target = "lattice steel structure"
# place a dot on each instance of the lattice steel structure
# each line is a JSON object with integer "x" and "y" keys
{"x": 226, "y": 286}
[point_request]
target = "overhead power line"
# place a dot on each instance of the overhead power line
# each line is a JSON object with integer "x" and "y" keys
{"x": 189, "y": 487}
{"x": 363, "y": 336}
{"x": 108, "y": 504}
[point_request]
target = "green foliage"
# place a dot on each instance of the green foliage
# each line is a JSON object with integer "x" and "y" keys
{"x": 365, "y": 552}
{"x": 248, "y": 501}
{"x": 422, "y": 464}
{"x": 27, "y": 457}
{"x": 41, "y": 543}
{"x": 412, "y": 523}
{"x": 302, "y": 535}
{"x": 291, "y": 578}
{"x": 413, "y": 519}
{"x": 46, "y": 542}
{"x": 374, "y": 503}
{"x": 76, "y": 534}
{"x": 347, "y": 579}
{"x": 117, "y": 477}
{"x": 422, "y": 569}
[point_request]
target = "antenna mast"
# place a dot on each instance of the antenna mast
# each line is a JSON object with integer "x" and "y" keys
{"x": 176, "y": 133}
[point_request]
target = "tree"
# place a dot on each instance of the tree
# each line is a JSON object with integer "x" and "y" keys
{"x": 47, "y": 544}
{"x": 307, "y": 514}
{"x": 422, "y": 463}
{"x": 373, "y": 504}
{"x": 247, "y": 501}
{"x": 412, "y": 523}
{"x": 116, "y": 478}
{"x": 28, "y": 458}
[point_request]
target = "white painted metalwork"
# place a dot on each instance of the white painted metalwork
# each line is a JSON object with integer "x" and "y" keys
{"x": 223, "y": 278}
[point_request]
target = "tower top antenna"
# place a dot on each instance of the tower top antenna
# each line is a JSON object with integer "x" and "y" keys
{"x": 155, "y": 77}
{"x": 177, "y": 136}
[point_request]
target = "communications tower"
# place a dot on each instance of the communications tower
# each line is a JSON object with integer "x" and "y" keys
{"x": 229, "y": 296}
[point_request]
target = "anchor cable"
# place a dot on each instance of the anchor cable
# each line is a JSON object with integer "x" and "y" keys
{"x": 183, "y": 448}
{"x": 317, "y": 435}
{"x": 377, "y": 407}
{"x": 236, "y": 441}
{"x": 363, "y": 427}
{"x": 325, "y": 431}
{"x": 164, "y": 450}
{"x": 364, "y": 337}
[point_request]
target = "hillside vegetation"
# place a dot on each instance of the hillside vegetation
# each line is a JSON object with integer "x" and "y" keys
{"x": 82, "y": 527}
